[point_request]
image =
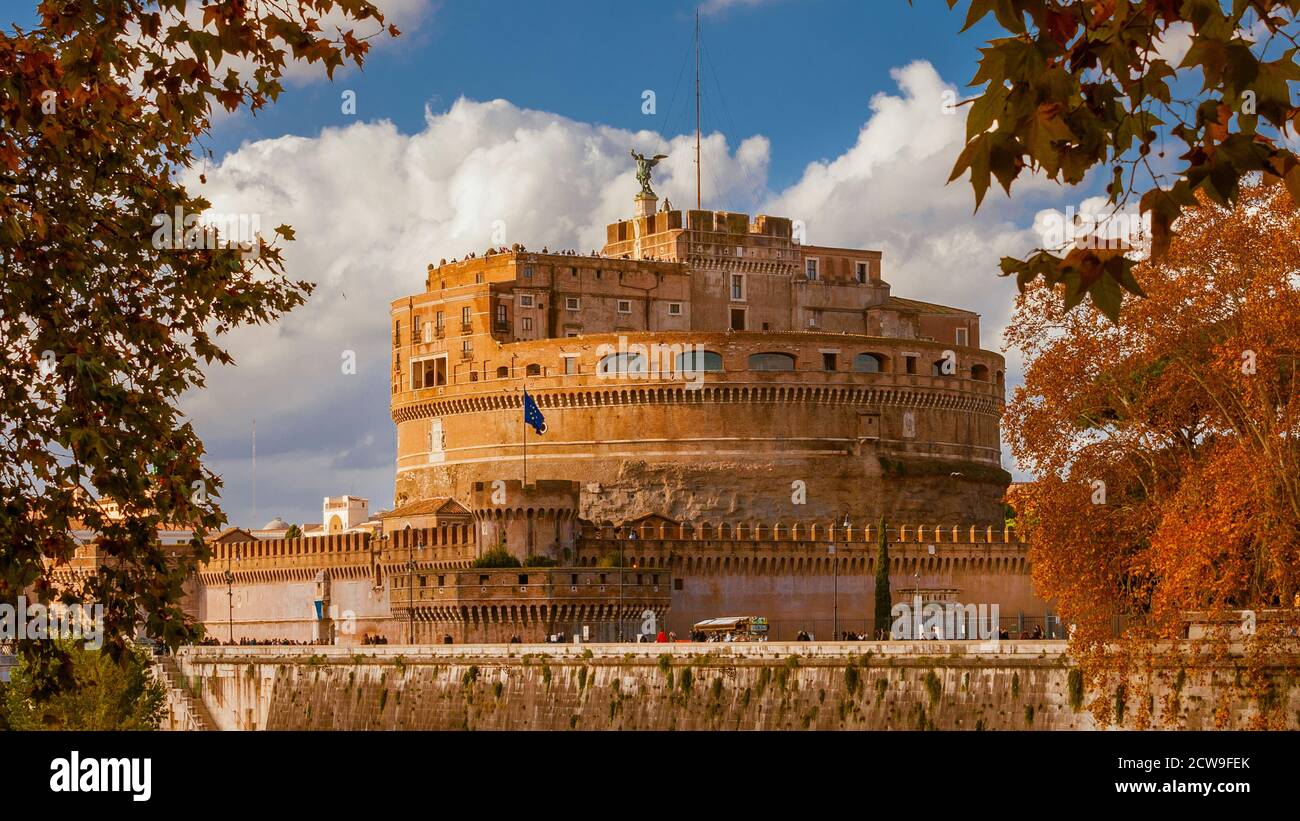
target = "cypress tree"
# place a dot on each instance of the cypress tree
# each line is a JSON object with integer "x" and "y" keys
{"x": 882, "y": 584}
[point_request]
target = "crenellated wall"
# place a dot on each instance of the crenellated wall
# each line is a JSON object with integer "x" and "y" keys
{"x": 782, "y": 570}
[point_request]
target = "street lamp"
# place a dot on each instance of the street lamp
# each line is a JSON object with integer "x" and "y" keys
{"x": 835, "y": 574}
{"x": 631, "y": 534}
{"x": 410, "y": 575}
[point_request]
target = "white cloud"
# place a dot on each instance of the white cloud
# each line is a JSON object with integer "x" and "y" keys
{"x": 711, "y": 8}
{"x": 372, "y": 207}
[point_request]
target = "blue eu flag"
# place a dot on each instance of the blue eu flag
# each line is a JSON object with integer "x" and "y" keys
{"x": 533, "y": 415}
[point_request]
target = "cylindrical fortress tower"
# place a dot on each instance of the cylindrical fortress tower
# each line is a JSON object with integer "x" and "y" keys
{"x": 700, "y": 425}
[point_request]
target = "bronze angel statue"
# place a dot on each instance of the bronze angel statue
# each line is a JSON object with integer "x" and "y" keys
{"x": 643, "y": 166}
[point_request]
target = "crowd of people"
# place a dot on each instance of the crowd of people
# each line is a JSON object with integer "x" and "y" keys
{"x": 210, "y": 641}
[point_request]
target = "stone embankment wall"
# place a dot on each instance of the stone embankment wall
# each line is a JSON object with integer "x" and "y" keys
{"x": 787, "y": 686}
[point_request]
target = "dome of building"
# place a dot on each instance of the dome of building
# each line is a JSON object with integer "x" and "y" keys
{"x": 276, "y": 524}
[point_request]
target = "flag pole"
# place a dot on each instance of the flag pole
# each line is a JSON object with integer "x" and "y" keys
{"x": 524, "y": 418}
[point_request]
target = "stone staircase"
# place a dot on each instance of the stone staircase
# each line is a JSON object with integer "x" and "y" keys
{"x": 192, "y": 713}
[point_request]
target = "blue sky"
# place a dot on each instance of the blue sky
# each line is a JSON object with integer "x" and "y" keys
{"x": 798, "y": 71}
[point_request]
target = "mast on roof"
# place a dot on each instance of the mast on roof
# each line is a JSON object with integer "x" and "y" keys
{"x": 698, "y": 203}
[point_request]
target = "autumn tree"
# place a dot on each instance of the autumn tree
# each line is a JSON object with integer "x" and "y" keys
{"x": 113, "y": 299}
{"x": 1167, "y": 446}
{"x": 1084, "y": 85}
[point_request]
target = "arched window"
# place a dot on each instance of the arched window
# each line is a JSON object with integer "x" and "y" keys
{"x": 503, "y": 372}
{"x": 534, "y": 370}
{"x": 998, "y": 378}
{"x": 980, "y": 372}
{"x": 622, "y": 363}
{"x": 868, "y": 363}
{"x": 698, "y": 361}
{"x": 771, "y": 362}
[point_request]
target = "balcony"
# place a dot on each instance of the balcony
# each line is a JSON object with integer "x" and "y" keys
{"x": 466, "y": 355}
{"x": 439, "y": 332}
{"x": 466, "y": 328}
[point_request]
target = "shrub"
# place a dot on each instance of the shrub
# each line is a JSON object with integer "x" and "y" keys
{"x": 933, "y": 686}
{"x": 1075, "y": 683}
{"x": 497, "y": 556}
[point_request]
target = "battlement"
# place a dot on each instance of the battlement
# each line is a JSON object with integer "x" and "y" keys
{"x": 804, "y": 532}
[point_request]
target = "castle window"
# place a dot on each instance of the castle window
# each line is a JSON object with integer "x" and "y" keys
{"x": 439, "y": 323}
{"x": 525, "y": 300}
{"x": 674, "y": 309}
{"x": 963, "y": 335}
{"x": 503, "y": 317}
{"x": 428, "y": 373}
{"x": 911, "y": 364}
{"x": 503, "y": 372}
{"x": 572, "y": 303}
{"x": 868, "y": 363}
{"x": 625, "y": 306}
{"x": 737, "y": 319}
{"x": 533, "y": 370}
{"x": 829, "y": 362}
{"x": 697, "y": 361}
{"x": 528, "y": 323}
{"x": 464, "y": 315}
{"x": 523, "y": 579}
{"x": 863, "y": 272}
{"x": 738, "y": 287}
{"x": 570, "y": 365}
{"x": 771, "y": 362}
{"x": 979, "y": 372}
{"x": 528, "y": 272}
{"x": 397, "y": 333}
{"x": 617, "y": 364}
{"x": 415, "y": 329}
{"x": 478, "y": 279}
{"x": 810, "y": 267}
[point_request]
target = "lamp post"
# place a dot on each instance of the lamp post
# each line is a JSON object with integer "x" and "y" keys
{"x": 410, "y": 596}
{"x": 631, "y": 534}
{"x": 835, "y": 575}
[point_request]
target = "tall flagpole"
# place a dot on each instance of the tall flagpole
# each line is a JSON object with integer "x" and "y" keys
{"x": 698, "y": 199}
{"x": 524, "y": 418}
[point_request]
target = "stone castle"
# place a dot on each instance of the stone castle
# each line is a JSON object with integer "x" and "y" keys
{"x": 812, "y": 391}
{"x": 729, "y": 415}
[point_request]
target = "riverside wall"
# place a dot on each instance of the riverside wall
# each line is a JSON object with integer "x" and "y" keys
{"x": 1009, "y": 685}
